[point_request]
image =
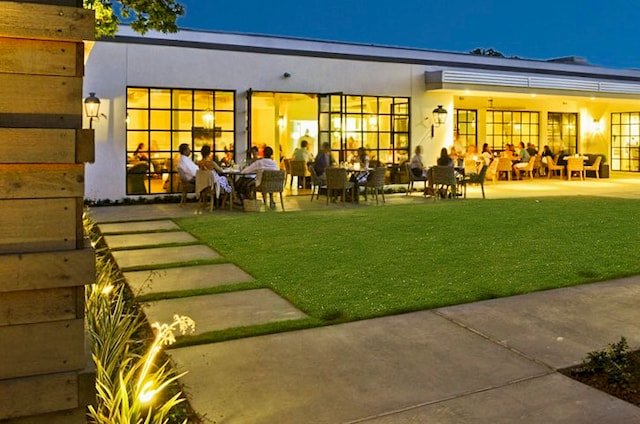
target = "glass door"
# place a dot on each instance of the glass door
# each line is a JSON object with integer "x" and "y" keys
{"x": 331, "y": 123}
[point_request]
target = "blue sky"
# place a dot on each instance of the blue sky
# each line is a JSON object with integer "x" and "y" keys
{"x": 606, "y": 33}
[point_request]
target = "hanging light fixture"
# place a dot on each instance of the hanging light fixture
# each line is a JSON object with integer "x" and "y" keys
{"x": 208, "y": 119}
{"x": 91, "y": 107}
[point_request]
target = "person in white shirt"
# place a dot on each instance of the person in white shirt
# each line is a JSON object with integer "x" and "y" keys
{"x": 186, "y": 168}
{"x": 256, "y": 168}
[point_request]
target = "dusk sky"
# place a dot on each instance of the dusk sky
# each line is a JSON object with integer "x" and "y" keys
{"x": 605, "y": 33}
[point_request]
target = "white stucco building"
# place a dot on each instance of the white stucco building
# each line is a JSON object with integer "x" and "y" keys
{"x": 233, "y": 91}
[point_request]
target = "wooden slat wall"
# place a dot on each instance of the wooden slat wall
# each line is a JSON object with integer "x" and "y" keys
{"x": 44, "y": 258}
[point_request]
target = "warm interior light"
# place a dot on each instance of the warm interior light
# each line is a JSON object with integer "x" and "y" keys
{"x": 281, "y": 122}
{"x": 208, "y": 119}
{"x": 92, "y": 106}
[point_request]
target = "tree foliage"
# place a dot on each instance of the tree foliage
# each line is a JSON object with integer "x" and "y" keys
{"x": 142, "y": 15}
{"x": 486, "y": 52}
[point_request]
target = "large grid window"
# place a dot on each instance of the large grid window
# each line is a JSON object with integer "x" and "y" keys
{"x": 562, "y": 132}
{"x": 160, "y": 119}
{"x": 511, "y": 127}
{"x": 465, "y": 129}
{"x": 378, "y": 124}
{"x": 625, "y": 141}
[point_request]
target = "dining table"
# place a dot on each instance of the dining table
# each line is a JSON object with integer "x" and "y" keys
{"x": 358, "y": 176}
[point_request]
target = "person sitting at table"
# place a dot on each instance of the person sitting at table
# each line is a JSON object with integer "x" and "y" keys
{"x": 303, "y": 152}
{"x": 323, "y": 161}
{"x": 363, "y": 157}
{"x": 250, "y": 184}
{"x": 509, "y": 152}
{"x": 454, "y": 156}
{"x": 253, "y": 155}
{"x": 546, "y": 152}
{"x": 531, "y": 149}
{"x": 416, "y": 166}
{"x": 186, "y": 168}
{"x": 523, "y": 160}
{"x": 139, "y": 153}
{"x": 487, "y": 153}
{"x": 444, "y": 159}
{"x": 208, "y": 164}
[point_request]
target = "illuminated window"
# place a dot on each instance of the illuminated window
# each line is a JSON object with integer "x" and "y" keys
{"x": 465, "y": 128}
{"x": 160, "y": 119}
{"x": 511, "y": 127}
{"x": 625, "y": 141}
{"x": 562, "y": 132}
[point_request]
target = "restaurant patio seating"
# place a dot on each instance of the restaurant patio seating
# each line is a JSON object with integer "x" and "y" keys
{"x": 595, "y": 167}
{"x": 317, "y": 183}
{"x": 185, "y": 187}
{"x": 413, "y": 178}
{"x": 575, "y": 164}
{"x": 271, "y": 182}
{"x": 298, "y": 168}
{"x": 551, "y": 167}
{"x": 475, "y": 179}
{"x": 337, "y": 181}
{"x": 375, "y": 183}
{"x": 287, "y": 169}
{"x": 444, "y": 181}
{"x": 505, "y": 165}
{"x": 526, "y": 170}
{"x": 492, "y": 171}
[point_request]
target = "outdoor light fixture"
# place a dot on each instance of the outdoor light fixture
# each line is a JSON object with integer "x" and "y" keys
{"x": 91, "y": 108}
{"x": 281, "y": 122}
{"x": 439, "y": 118}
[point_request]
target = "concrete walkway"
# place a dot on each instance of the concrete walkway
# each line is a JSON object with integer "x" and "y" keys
{"x": 487, "y": 362}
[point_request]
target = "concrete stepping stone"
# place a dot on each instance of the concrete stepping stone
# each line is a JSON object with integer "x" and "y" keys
{"x": 162, "y": 256}
{"x": 138, "y": 226}
{"x": 185, "y": 278}
{"x": 122, "y": 241}
{"x": 225, "y": 310}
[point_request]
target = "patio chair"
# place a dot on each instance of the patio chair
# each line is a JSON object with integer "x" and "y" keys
{"x": 298, "y": 168}
{"x": 337, "y": 181}
{"x": 317, "y": 183}
{"x": 595, "y": 167}
{"x": 271, "y": 182}
{"x": 551, "y": 167}
{"x": 185, "y": 187}
{"x": 287, "y": 169}
{"x": 375, "y": 183}
{"x": 413, "y": 178}
{"x": 444, "y": 181}
{"x": 526, "y": 170}
{"x": 504, "y": 165}
{"x": 136, "y": 176}
{"x": 492, "y": 171}
{"x": 475, "y": 179}
{"x": 575, "y": 165}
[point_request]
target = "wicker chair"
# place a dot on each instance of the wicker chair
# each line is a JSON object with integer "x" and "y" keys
{"x": 375, "y": 183}
{"x": 316, "y": 183}
{"x": 504, "y": 165}
{"x": 186, "y": 186}
{"x": 527, "y": 169}
{"x": 475, "y": 179}
{"x": 136, "y": 178}
{"x": 551, "y": 167}
{"x": 413, "y": 178}
{"x": 444, "y": 181}
{"x": 271, "y": 182}
{"x": 595, "y": 167}
{"x": 575, "y": 165}
{"x": 298, "y": 168}
{"x": 287, "y": 169}
{"x": 492, "y": 171}
{"x": 337, "y": 181}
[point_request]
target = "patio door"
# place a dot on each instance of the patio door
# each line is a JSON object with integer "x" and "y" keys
{"x": 331, "y": 123}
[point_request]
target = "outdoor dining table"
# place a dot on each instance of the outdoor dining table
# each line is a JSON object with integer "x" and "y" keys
{"x": 355, "y": 176}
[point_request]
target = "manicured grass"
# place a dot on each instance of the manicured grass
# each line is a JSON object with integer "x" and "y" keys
{"x": 349, "y": 264}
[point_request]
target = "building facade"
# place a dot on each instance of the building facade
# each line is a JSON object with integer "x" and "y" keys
{"x": 235, "y": 91}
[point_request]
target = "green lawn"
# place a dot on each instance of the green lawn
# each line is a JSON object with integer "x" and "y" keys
{"x": 348, "y": 264}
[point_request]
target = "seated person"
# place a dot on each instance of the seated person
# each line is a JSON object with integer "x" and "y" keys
{"x": 186, "y": 168}
{"x": 531, "y": 149}
{"x": 487, "y": 154}
{"x": 208, "y": 164}
{"x": 523, "y": 157}
{"x": 323, "y": 161}
{"x": 416, "y": 166}
{"x": 247, "y": 185}
{"x": 303, "y": 153}
{"x": 139, "y": 153}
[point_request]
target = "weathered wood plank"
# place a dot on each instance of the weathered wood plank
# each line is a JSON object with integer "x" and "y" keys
{"x": 41, "y": 181}
{"x": 36, "y": 57}
{"x": 41, "y": 348}
{"x": 30, "y": 145}
{"x": 36, "y": 21}
{"x": 29, "y": 307}
{"x": 41, "y": 225}
{"x": 40, "y": 120}
{"x": 35, "y": 94}
{"x": 34, "y": 271}
{"x": 38, "y": 395}
{"x": 85, "y": 146}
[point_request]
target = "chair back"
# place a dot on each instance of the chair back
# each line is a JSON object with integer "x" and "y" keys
{"x": 470, "y": 166}
{"x": 531, "y": 164}
{"x": 298, "y": 168}
{"x": 272, "y": 181}
{"x": 575, "y": 164}
{"x": 315, "y": 180}
{"x": 287, "y": 165}
{"x": 492, "y": 170}
{"x": 336, "y": 178}
{"x": 504, "y": 164}
{"x": 595, "y": 166}
{"x": 136, "y": 176}
{"x": 443, "y": 175}
{"x": 478, "y": 178}
{"x": 376, "y": 179}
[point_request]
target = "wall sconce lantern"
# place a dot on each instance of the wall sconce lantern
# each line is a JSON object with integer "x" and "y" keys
{"x": 439, "y": 118}
{"x": 91, "y": 108}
